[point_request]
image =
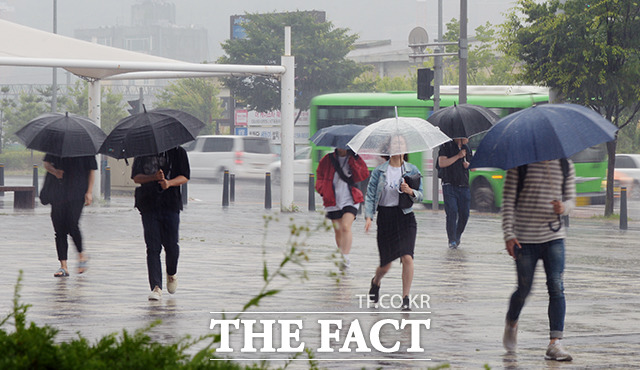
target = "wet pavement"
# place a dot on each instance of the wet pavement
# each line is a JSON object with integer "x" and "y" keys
{"x": 220, "y": 269}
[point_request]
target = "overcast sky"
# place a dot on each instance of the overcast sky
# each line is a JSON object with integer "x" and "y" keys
{"x": 371, "y": 19}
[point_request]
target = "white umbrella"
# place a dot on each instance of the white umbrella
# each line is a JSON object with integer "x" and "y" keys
{"x": 378, "y": 138}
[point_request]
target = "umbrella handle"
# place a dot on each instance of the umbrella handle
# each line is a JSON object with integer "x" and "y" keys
{"x": 555, "y": 229}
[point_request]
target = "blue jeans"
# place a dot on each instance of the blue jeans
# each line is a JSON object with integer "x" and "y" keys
{"x": 552, "y": 256}
{"x": 161, "y": 229}
{"x": 457, "y": 201}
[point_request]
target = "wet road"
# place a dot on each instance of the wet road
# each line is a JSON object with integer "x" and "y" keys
{"x": 220, "y": 269}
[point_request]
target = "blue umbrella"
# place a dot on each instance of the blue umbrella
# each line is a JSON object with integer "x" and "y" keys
{"x": 335, "y": 136}
{"x": 540, "y": 133}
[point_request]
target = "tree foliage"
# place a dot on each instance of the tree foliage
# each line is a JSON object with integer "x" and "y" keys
{"x": 371, "y": 82}
{"x": 196, "y": 96}
{"x": 112, "y": 108}
{"x": 319, "y": 49}
{"x": 586, "y": 50}
{"x": 484, "y": 65}
{"x": 19, "y": 113}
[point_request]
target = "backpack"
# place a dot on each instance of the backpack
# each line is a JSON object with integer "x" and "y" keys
{"x": 522, "y": 173}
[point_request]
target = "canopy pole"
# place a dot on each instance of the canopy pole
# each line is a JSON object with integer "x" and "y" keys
{"x": 94, "y": 115}
{"x": 287, "y": 87}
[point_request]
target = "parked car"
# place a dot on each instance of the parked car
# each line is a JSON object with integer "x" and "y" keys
{"x": 301, "y": 166}
{"x": 244, "y": 156}
{"x": 627, "y": 173}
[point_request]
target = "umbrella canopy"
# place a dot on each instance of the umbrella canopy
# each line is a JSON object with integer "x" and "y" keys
{"x": 540, "y": 133}
{"x": 336, "y": 136}
{"x": 465, "y": 120}
{"x": 150, "y": 133}
{"x": 63, "y": 135}
{"x": 379, "y": 138}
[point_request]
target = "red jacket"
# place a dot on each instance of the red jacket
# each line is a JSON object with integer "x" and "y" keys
{"x": 325, "y": 173}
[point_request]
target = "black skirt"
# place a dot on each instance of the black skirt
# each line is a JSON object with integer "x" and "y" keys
{"x": 396, "y": 234}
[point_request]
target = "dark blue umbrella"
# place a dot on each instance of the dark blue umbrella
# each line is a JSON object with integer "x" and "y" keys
{"x": 335, "y": 136}
{"x": 540, "y": 133}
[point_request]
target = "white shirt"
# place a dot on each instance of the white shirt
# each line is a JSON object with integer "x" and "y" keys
{"x": 390, "y": 196}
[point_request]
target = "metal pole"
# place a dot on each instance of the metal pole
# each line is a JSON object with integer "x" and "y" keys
{"x": 267, "y": 191}
{"x": 464, "y": 53}
{"x": 94, "y": 115}
{"x": 623, "y": 208}
{"x": 232, "y": 188}
{"x": 184, "y": 193}
{"x": 54, "y": 82}
{"x": 107, "y": 183}
{"x": 312, "y": 193}
{"x": 287, "y": 109}
{"x": 35, "y": 179}
{"x": 225, "y": 189}
{"x": 437, "y": 66}
{"x": 1, "y": 178}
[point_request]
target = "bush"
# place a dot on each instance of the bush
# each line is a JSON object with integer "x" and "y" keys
{"x": 19, "y": 161}
{"x": 33, "y": 347}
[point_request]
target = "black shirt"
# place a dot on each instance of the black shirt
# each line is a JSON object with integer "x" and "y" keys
{"x": 150, "y": 197}
{"x": 75, "y": 180}
{"x": 455, "y": 174}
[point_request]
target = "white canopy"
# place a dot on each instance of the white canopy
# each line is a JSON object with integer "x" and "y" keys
{"x": 17, "y": 41}
{"x": 25, "y": 46}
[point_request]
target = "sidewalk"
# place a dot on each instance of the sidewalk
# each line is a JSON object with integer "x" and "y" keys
{"x": 221, "y": 265}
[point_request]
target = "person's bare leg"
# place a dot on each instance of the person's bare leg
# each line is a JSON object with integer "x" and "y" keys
{"x": 407, "y": 274}
{"x": 345, "y": 236}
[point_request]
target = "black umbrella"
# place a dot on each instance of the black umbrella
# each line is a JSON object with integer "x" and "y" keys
{"x": 150, "y": 133}
{"x": 63, "y": 135}
{"x": 464, "y": 120}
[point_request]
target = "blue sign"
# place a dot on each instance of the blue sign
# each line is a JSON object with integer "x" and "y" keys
{"x": 242, "y": 131}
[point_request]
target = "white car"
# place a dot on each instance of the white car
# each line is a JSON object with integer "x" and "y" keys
{"x": 627, "y": 173}
{"x": 244, "y": 156}
{"x": 301, "y": 166}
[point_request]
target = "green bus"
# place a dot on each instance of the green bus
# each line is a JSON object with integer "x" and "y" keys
{"x": 485, "y": 183}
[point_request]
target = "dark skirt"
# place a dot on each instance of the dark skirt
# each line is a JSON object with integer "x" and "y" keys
{"x": 396, "y": 234}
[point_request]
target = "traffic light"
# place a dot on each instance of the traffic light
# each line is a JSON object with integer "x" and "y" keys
{"x": 425, "y": 88}
{"x": 135, "y": 106}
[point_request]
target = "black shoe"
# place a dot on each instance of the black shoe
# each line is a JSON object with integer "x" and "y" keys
{"x": 406, "y": 304}
{"x": 374, "y": 292}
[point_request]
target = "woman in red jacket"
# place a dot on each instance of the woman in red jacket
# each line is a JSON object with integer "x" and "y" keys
{"x": 337, "y": 174}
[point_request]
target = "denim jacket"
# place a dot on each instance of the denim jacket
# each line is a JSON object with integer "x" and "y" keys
{"x": 376, "y": 185}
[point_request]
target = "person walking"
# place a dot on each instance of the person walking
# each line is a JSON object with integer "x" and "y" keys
{"x": 534, "y": 197}
{"x": 396, "y": 226}
{"x": 453, "y": 162}
{"x": 338, "y": 172}
{"x": 76, "y": 175}
{"x": 159, "y": 201}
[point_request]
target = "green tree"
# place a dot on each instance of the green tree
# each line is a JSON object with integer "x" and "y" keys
{"x": 28, "y": 107}
{"x": 370, "y": 82}
{"x": 112, "y": 109}
{"x": 5, "y": 105}
{"x": 484, "y": 65}
{"x": 320, "y": 54}
{"x": 586, "y": 50}
{"x": 196, "y": 96}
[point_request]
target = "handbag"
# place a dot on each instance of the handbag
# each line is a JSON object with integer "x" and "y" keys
{"x": 52, "y": 189}
{"x": 413, "y": 181}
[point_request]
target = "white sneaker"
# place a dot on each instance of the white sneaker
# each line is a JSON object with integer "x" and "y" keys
{"x": 346, "y": 262}
{"x": 172, "y": 283}
{"x": 510, "y": 337}
{"x": 156, "y": 294}
{"x": 557, "y": 352}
